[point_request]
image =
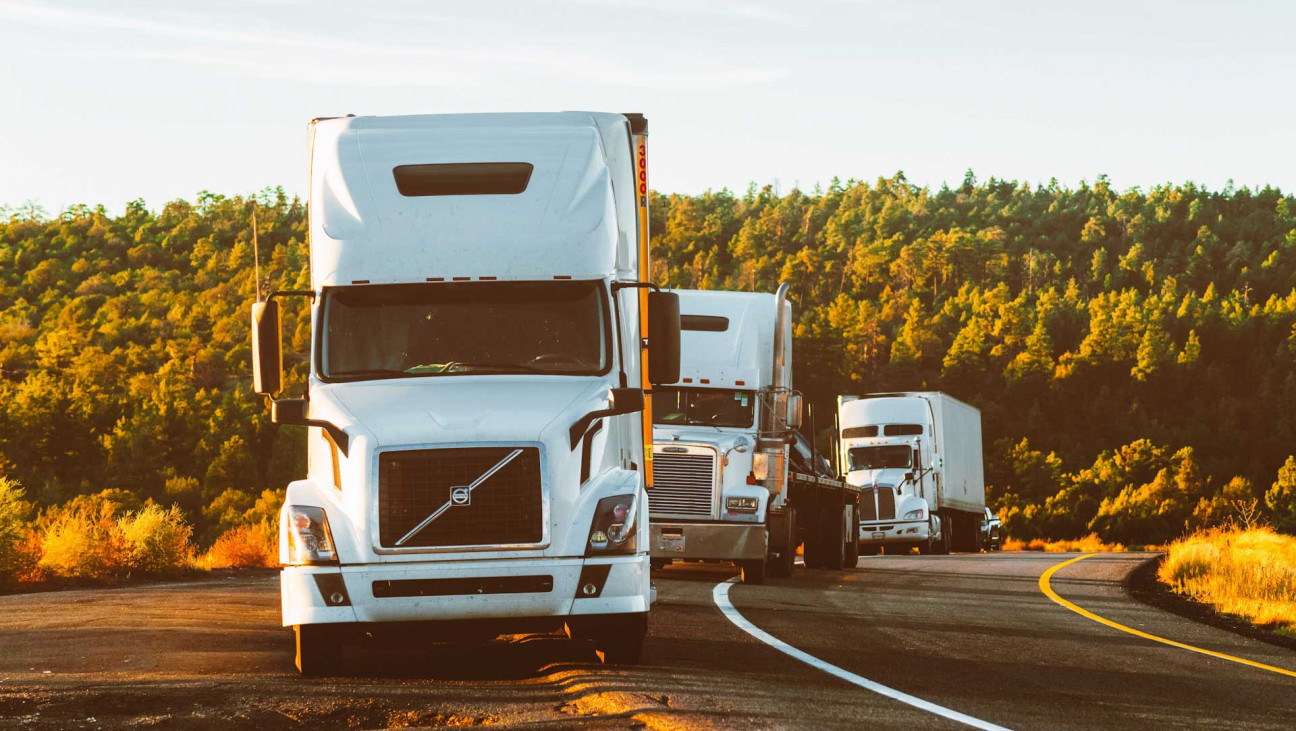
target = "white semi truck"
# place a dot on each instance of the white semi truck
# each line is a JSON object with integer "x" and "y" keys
{"x": 478, "y": 401}
{"x": 917, "y": 456}
{"x": 723, "y": 488}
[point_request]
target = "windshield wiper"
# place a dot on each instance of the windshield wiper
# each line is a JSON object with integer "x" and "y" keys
{"x": 369, "y": 372}
{"x": 519, "y": 367}
{"x": 456, "y": 367}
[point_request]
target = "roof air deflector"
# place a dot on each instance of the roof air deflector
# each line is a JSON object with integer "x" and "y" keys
{"x": 463, "y": 178}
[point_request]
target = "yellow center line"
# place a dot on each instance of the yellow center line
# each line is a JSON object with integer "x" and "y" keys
{"x": 1048, "y": 592}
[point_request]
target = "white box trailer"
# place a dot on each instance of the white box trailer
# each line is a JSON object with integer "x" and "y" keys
{"x": 479, "y": 398}
{"x": 961, "y": 483}
{"x": 918, "y": 457}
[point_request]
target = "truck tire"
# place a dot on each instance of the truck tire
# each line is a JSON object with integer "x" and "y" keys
{"x": 780, "y": 567}
{"x": 621, "y": 642}
{"x": 752, "y": 571}
{"x": 941, "y": 546}
{"x": 832, "y": 532}
{"x": 319, "y": 650}
{"x": 851, "y": 559}
{"x": 967, "y": 536}
{"x": 812, "y": 553}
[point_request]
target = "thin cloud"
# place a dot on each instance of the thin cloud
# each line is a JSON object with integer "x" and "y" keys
{"x": 708, "y": 8}
{"x": 339, "y": 61}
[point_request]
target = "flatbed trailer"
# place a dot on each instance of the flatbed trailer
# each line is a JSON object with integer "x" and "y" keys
{"x": 818, "y": 504}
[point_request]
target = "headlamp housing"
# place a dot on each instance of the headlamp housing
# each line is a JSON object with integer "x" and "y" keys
{"x": 613, "y": 529}
{"x": 310, "y": 542}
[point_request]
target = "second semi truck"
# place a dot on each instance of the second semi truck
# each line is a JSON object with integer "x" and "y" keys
{"x": 723, "y": 489}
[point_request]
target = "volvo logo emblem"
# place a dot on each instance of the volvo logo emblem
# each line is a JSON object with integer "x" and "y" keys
{"x": 460, "y": 496}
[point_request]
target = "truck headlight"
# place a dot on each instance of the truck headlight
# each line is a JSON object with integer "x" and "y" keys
{"x": 309, "y": 539}
{"x": 613, "y": 529}
{"x": 914, "y": 514}
{"x": 742, "y": 504}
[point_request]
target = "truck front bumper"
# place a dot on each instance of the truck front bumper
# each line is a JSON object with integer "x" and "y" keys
{"x": 492, "y": 589}
{"x": 892, "y": 531}
{"x": 708, "y": 541}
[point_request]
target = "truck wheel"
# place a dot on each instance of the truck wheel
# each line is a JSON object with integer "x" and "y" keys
{"x": 810, "y": 540}
{"x": 965, "y": 535}
{"x": 941, "y": 546}
{"x": 319, "y": 650}
{"x": 851, "y": 558}
{"x": 781, "y": 567}
{"x": 752, "y": 571}
{"x": 832, "y": 532}
{"x": 621, "y": 642}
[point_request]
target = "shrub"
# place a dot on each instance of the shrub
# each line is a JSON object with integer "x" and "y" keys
{"x": 82, "y": 542}
{"x": 255, "y": 545}
{"x": 14, "y": 512}
{"x": 156, "y": 540}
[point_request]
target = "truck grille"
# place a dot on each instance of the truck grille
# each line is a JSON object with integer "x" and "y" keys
{"x": 506, "y": 508}
{"x": 683, "y": 485}
{"x": 877, "y": 503}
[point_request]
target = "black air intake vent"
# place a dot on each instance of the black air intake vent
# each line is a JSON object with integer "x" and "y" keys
{"x": 503, "y": 507}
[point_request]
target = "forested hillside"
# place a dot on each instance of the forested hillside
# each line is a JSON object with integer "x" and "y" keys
{"x": 1132, "y": 352}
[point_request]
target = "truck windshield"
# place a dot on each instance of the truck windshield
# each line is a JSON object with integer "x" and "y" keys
{"x": 413, "y": 330}
{"x": 891, "y": 456}
{"x": 703, "y": 407}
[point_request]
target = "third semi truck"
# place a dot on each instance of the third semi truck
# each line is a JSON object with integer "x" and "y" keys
{"x": 917, "y": 456}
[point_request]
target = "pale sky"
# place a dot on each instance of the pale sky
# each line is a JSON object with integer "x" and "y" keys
{"x": 157, "y": 99}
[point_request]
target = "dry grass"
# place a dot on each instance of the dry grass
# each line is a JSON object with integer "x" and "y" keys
{"x": 1249, "y": 573}
{"x": 1089, "y": 544}
{"x": 245, "y": 546}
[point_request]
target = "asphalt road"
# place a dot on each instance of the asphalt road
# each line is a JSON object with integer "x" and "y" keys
{"x": 970, "y": 635}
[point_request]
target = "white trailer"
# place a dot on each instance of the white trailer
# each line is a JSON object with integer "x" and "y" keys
{"x": 724, "y": 490}
{"x": 477, "y": 455}
{"x": 918, "y": 457}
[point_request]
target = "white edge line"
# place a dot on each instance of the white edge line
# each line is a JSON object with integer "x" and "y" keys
{"x": 721, "y": 596}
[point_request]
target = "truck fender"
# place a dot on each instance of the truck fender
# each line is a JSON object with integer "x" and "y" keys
{"x": 313, "y": 493}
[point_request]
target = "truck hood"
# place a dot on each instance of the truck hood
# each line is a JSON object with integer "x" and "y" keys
{"x": 869, "y": 478}
{"x": 722, "y": 440}
{"x": 470, "y": 409}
